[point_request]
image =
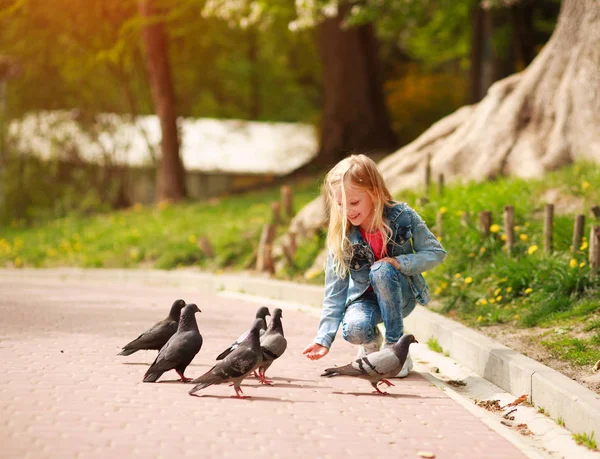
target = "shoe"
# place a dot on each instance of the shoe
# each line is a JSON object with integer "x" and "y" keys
{"x": 370, "y": 347}
{"x": 408, "y": 365}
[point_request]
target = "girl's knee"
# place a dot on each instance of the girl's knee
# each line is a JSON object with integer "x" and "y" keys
{"x": 358, "y": 330}
{"x": 382, "y": 272}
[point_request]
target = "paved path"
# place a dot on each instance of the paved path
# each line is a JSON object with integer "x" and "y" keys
{"x": 65, "y": 393}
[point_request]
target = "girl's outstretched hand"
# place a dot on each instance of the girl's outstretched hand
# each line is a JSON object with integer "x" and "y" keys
{"x": 315, "y": 351}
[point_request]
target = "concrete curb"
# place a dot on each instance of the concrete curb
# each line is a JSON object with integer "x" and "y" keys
{"x": 558, "y": 395}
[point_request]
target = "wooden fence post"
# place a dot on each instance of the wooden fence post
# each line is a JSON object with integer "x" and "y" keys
{"x": 596, "y": 211}
{"x": 276, "y": 210}
{"x": 509, "y": 227}
{"x": 204, "y": 245}
{"x": 439, "y": 224}
{"x": 595, "y": 249}
{"x": 289, "y": 249}
{"x": 428, "y": 174}
{"x": 440, "y": 185}
{"x": 578, "y": 232}
{"x": 548, "y": 227}
{"x": 264, "y": 260}
{"x": 287, "y": 200}
{"x": 485, "y": 221}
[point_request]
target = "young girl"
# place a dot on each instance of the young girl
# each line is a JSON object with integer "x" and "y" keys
{"x": 378, "y": 249}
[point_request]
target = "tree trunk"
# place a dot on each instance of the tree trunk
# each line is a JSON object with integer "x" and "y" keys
{"x": 170, "y": 173}
{"x": 540, "y": 119}
{"x": 355, "y": 118}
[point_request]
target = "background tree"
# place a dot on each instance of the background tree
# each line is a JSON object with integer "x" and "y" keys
{"x": 170, "y": 172}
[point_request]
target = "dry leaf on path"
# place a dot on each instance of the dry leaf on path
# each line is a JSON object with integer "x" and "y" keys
{"x": 425, "y": 454}
{"x": 517, "y": 401}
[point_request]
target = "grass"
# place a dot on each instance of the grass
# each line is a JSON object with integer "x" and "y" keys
{"x": 433, "y": 344}
{"x": 586, "y": 440}
{"x": 479, "y": 284}
{"x": 163, "y": 237}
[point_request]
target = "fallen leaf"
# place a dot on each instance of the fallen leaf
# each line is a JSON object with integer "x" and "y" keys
{"x": 517, "y": 401}
{"x": 425, "y": 454}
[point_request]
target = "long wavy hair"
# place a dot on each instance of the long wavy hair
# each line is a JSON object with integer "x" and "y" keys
{"x": 361, "y": 173}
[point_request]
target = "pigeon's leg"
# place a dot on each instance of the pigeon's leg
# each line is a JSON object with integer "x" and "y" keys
{"x": 238, "y": 390}
{"x": 255, "y": 374}
{"x": 183, "y": 378}
{"x": 261, "y": 375}
{"x": 385, "y": 381}
{"x": 377, "y": 391}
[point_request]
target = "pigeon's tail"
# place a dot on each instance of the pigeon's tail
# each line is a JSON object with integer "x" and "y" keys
{"x": 331, "y": 372}
{"x": 225, "y": 353}
{"x": 152, "y": 376}
{"x": 200, "y": 386}
{"x": 127, "y": 351}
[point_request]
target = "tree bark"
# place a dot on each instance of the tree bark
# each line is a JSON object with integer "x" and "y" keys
{"x": 170, "y": 173}
{"x": 534, "y": 121}
{"x": 355, "y": 118}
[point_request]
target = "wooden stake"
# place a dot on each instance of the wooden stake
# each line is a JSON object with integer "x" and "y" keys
{"x": 287, "y": 200}
{"x": 440, "y": 184}
{"x": 276, "y": 209}
{"x": 204, "y": 245}
{"x": 548, "y": 227}
{"x": 578, "y": 232}
{"x": 485, "y": 221}
{"x": 264, "y": 261}
{"x": 428, "y": 174}
{"x": 439, "y": 224}
{"x": 595, "y": 249}
{"x": 509, "y": 227}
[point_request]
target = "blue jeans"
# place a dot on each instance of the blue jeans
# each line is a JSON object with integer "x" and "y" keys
{"x": 389, "y": 302}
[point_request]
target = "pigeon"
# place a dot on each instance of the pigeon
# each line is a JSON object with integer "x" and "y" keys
{"x": 378, "y": 366}
{"x": 181, "y": 348}
{"x": 272, "y": 345}
{"x": 261, "y": 314}
{"x": 236, "y": 366}
{"x": 157, "y": 336}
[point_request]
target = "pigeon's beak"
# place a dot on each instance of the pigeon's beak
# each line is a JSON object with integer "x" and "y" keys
{"x": 416, "y": 340}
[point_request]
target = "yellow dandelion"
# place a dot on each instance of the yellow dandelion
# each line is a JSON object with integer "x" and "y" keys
{"x": 492, "y": 300}
{"x": 508, "y": 289}
{"x": 582, "y": 264}
{"x": 584, "y": 245}
{"x": 457, "y": 275}
{"x": 585, "y": 185}
{"x": 479, "y": 319}
{"x": 443, "y": 210}
{"x": 424, "y": 274}
{"x": 528, "y": 290}
{"x": 503, "y": 237}
{"x": 527, "y": 224}
{"x": 517, "y": 228}
{"x": 468, "y": 280}
{"x": 458, "y": 213}
{"x": 444, "y": 284}
{"x": 532, "y": 249}
{"x": 439, "y": 238}
{"x": 484, "y": 301}
{"x": 497, "y": 291}
{"x": 517, "y": 316}
{"x": 482, "y": 250}
{"x": 523, "y": 237}
{"x": 471, "y": 255}
{"x": 192, "y": 238}
{"x": 438, "y": 290}
{"x": 18, "y": 262}
{"x": 51, "y": 252}
{"x": 573, "y": 263}
{"x": 499, "y": 298}
{"x": 495, "y": 228}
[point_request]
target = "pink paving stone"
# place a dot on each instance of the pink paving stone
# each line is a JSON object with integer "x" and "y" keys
{"x": 88, "y": 402}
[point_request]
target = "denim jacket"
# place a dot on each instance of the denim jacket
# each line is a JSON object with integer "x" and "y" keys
{"x": 412, "y": 244}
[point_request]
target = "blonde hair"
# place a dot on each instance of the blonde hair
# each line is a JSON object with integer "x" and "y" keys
{"x": 359, "y": 172}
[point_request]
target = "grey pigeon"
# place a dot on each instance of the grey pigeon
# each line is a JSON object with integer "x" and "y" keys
{"x": 272, "y": 345}
{"x": 236, "y": 366}
{"x": 262, "y": 313}
{"x": 157, "y": 336}
{"x": 181, "y": 348}
{"x": 378, "y": 366}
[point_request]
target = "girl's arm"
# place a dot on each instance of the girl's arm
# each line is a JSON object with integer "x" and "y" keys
{"x": 428, "y": 251}
{"x": 334, "y": 304}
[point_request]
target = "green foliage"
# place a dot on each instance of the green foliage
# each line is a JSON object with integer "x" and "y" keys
{"x": 586, "y": 440}
{"x": 433, "y": 344}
